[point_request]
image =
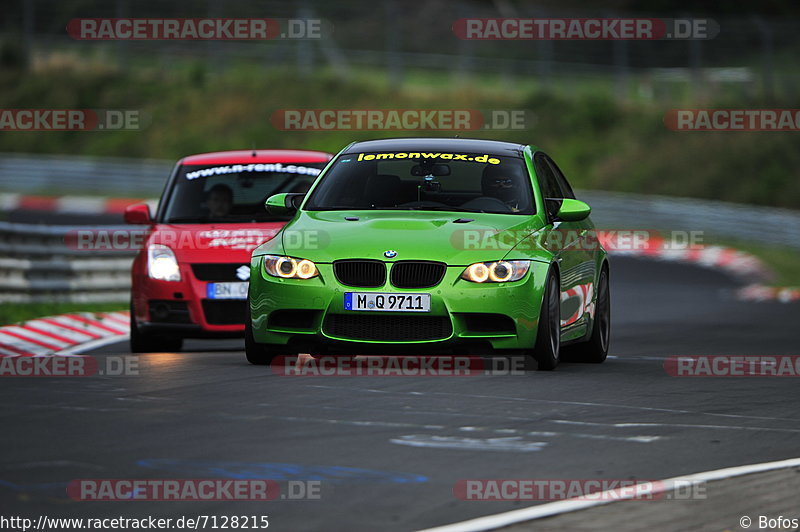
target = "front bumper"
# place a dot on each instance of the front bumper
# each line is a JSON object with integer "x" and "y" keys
{"x": 183, "y": 308}
{"x": 310, "y": 314}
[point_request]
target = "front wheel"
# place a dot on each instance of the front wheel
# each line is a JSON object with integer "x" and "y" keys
{"x": 547, "y": 349}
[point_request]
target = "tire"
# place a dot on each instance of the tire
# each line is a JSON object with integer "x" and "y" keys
{"x": 141, "y": 342}
{"x": 547, "y": 349}
{"x": 257, "y": 354}
{"x": 595, "y": 350}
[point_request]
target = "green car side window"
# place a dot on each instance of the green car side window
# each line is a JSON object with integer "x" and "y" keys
{"x": 548, "y": 184}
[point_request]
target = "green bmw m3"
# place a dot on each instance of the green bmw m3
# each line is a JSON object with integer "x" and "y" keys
{"x": 432, "y": 246}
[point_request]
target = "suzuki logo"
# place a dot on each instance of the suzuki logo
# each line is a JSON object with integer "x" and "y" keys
{"x": 243, "y": 272}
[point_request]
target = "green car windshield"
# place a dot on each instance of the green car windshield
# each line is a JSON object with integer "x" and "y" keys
{"x": 457, "y": 182}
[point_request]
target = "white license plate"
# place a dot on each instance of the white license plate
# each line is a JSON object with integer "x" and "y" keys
{"x": 227, "y": 290}
{"x": 387, "y": 302}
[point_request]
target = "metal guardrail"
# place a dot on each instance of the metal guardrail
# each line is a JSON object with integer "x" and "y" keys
{"x": 60, "y": 174}
{"x": 146, "y": 178}
{"x": 37, "y": 265}
{"x": 763, "y": 225}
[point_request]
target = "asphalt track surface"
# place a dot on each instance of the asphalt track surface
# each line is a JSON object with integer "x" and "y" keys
{"x": 389, "y": 450}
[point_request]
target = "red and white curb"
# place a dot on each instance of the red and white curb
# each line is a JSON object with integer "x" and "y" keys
{"x": 730, "y": 260}
{"x": 757, "y": 292}
{"x": 66, "y": 334}
{"x": 70, "y": 204}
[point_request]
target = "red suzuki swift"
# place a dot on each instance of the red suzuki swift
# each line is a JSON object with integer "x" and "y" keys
{"x": 190, "y": 279}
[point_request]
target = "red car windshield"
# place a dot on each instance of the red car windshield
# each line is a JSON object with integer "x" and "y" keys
{"x": 233, "y": 193}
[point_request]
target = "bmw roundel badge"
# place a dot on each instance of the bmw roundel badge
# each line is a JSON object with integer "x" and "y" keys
{"x": 390, "y": 253}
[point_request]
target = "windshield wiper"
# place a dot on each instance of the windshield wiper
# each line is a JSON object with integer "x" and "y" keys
{"x": 354, "y": 208}
{"x": 240, "y": 220}
{"x": 337, "y": 208}
{"x": 440, "y": 208}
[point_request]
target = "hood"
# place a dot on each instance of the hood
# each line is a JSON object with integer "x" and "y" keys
{"x": 325, "y": 236}
{"x": 214, "y": 242}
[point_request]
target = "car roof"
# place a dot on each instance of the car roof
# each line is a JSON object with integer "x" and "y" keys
{"x": 495, "y": 147}
{"x": 258, "y": 156}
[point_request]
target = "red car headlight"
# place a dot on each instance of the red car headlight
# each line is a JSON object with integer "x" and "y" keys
{"x": 162, "y": 264}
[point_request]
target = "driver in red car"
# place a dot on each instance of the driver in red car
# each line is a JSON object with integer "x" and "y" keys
{"x": 219, "y": 201}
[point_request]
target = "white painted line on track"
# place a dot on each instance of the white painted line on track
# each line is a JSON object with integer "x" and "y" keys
{"x": 673, "y": 425}
{"x": 492, "y": 522}
{"x": 508, "y": 444}
{"x": 466, "y": 396}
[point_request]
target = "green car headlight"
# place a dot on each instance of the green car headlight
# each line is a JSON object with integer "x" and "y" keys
{"x": 501, "y": 271}
{"x": 289, "y": 267}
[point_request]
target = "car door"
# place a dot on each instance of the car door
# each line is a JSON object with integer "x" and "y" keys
{"x": 564, "y": 239}
{"x": 580, "y": 254}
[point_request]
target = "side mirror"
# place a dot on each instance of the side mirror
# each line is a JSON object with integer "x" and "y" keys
{"x": 573, "y": 210}
{"x": 138, "y": 214}
{"x": 284, "y": 204}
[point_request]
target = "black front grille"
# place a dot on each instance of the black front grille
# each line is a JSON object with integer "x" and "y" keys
{"x": 417, "y": 274}
{"x": 363, "y": 273}
{"x": 217, "y": 271}
{"x": 388, "y": 328}
{"x": 225, "y": 312}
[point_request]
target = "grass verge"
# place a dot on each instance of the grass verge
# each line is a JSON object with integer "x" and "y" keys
{"x": 18, "y": 312}
{"x": 783, "y": 261}
{"x": 600, "y": 143}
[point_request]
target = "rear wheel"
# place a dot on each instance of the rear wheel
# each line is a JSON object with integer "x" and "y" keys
{"x": 257, "y": 354}
{"x": 595, "y": 350}
{"x": 547, "y": 349}
{"x": 141, "y": 342}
